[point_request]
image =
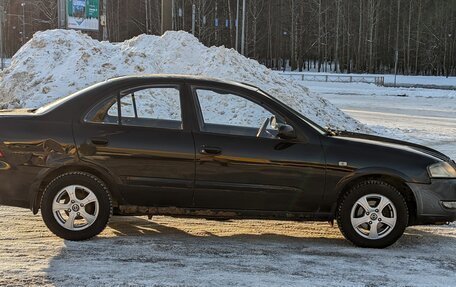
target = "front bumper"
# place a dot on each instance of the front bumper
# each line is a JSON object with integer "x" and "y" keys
{"x": 430, "y": 200}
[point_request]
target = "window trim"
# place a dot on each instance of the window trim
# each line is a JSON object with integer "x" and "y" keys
{"x": 200, "y": 116}
{"x": 105, "y": 103}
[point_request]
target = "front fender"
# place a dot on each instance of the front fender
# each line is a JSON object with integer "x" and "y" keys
{"x": 333, "y": 194}
{"x": 367, "y": 172}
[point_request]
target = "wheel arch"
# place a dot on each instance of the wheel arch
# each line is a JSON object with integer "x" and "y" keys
{"x": 396, "y": 179}
{"x": 46, "y": 178}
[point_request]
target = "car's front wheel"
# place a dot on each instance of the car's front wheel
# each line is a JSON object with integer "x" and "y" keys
{"x": 372, "y": 214}
{"x": 76, "y": 206}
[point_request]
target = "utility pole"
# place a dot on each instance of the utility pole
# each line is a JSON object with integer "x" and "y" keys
{"x": 166, "y": 15}
{"x": 61, "y": 14}
{"x": 2, "y": 19}
{"x": 193, "y": 18}
{"x": 217, "y": 24}
{"x": 237, "y": 25}
{"x": 243, "y": 28}
{"x": 105, "y": 20}
{"x": 146, "y": 3}
{"x": 23, "y": 23}
{"x": 396, "y": 53}
{"x": 183, "y": 14}
{"x": 173, "y": 8}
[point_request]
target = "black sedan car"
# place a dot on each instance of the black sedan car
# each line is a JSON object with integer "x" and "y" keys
{"x": 193, "y": 147}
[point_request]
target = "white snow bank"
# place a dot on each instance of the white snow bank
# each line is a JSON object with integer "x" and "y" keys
{"x": 56, "y": 63}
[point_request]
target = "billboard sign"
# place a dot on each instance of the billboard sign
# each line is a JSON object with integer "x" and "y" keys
{"x": 83, "y": 14}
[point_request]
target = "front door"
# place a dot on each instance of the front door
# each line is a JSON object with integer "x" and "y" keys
{"x": 240, "y": 166}
{"x": 144, "y": 143}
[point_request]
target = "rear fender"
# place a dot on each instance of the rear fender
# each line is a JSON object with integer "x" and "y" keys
{"x": 46, "y": 175}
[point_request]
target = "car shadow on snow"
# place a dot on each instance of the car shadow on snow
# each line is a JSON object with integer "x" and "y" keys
{"x": 136, "y": 251}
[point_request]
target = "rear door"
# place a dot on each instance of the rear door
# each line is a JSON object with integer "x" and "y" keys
{"x": 144, "y": 140}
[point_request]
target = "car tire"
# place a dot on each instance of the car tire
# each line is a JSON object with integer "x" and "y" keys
{"x": 76, "y": 206}
{"x": 372, "y": 214}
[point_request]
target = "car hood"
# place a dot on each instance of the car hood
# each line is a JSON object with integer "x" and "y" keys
{"x": 393, "y": 143}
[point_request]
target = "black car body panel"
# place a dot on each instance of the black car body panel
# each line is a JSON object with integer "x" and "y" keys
{"x": 168, "y": 171}
{"x": 32, "y": 146}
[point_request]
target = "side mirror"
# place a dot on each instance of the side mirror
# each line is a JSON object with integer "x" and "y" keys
{"x": 286, "y": 132}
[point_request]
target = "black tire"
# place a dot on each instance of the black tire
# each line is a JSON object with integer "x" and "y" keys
{"x": 97, "y": 186}
{"x": 360, "y": 190}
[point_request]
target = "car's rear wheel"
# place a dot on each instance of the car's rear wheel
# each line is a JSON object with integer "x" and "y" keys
{"x": 372, "y": 214}
{"x": 76, "y": 206}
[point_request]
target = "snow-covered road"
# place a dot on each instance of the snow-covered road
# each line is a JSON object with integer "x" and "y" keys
{"x": 134, "y": 251}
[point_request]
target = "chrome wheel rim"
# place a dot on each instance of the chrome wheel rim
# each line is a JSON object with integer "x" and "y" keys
{"x": 373, "y": 216}
{"x": 75, "y": 207}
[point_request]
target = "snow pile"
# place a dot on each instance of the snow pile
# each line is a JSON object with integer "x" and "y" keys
{"x": 56, "y": 63}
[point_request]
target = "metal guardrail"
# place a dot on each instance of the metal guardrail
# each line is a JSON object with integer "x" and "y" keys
{"x": 378, "y": 80}
{"x": 422, "y": 86}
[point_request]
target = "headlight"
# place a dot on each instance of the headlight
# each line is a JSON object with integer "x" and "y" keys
{"x": 442, "y": 170}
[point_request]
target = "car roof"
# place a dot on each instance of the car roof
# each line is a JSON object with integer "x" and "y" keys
{"x": 186, "y": 78}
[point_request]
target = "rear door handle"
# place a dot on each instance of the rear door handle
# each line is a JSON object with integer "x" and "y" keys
{"x": 100, "y": 141}
{"x": 211, "y": 150}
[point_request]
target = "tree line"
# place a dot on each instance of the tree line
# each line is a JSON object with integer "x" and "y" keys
{"x": 416, "y": 37}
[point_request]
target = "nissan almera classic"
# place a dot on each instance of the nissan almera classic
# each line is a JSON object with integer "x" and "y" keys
{"x": 194, "y": 147}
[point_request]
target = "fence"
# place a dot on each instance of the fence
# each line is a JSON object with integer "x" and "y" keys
{"x": 378, "y": 80}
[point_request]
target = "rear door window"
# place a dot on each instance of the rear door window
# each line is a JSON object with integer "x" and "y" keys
{"x": 158, "y": 107}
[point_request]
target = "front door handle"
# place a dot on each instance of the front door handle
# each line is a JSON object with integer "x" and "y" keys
{"x": 100, "y": 141}
{"x": 211, "y": 150}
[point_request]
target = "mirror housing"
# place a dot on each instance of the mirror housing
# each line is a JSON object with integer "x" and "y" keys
{"x": 286, "y": 132}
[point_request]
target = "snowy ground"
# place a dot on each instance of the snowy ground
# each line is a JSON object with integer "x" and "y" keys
{"x": 182, "y": 252}
{"x": 134, "y": 251}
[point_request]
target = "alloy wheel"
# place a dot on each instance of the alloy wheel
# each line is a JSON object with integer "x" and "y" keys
{"x": 75, "y": 207}
{"x": 373, "y": 216}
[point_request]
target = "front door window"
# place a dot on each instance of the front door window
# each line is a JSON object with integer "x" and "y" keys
{"x": 228, "y": 113}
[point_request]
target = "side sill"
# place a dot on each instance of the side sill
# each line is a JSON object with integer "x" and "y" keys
{"x": 223, "y": 214}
